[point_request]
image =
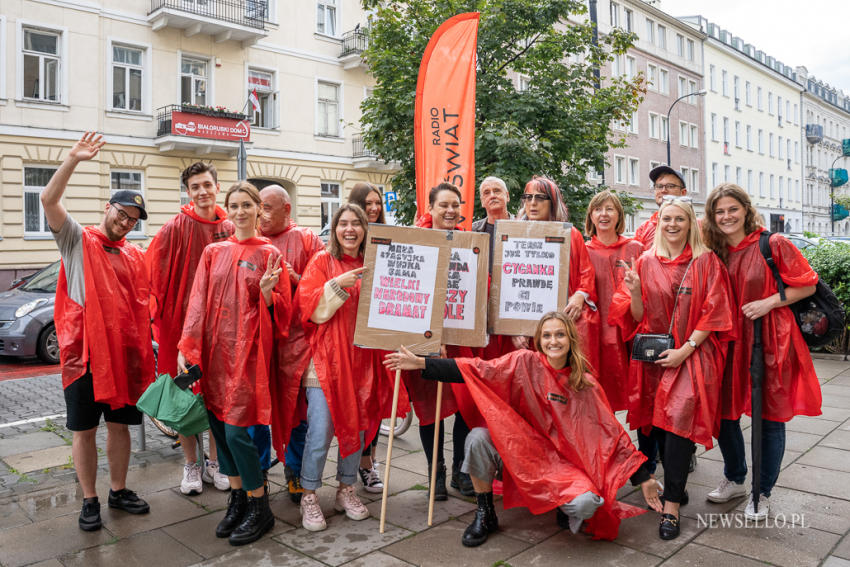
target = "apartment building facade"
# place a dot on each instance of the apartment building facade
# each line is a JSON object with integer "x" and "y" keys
{"x": 753, "y": 125}
{"x": 826, "y": 112}
{"x": 669, "y": 54}
{"x": 148, "y": 75}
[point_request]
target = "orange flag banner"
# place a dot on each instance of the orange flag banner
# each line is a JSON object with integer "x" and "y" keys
{"x": 444, "y": 119}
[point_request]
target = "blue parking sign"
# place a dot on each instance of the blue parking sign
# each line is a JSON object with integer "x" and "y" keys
{"x": 389, "y": 199}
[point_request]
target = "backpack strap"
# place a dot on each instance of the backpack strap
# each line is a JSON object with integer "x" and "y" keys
{"x": 764, "y": 247}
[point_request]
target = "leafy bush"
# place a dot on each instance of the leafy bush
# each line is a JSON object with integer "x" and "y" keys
{"x": 831, "y": 260}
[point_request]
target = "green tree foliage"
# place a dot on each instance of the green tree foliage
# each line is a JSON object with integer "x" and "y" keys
{"x": 559, "y": 126}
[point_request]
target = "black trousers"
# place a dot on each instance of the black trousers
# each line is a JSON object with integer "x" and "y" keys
{"x": 459, "y": 433}
{"x": 675, "y": 454}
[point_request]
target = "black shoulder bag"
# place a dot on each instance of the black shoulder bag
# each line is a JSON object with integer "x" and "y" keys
{"x": 648, "y": 346}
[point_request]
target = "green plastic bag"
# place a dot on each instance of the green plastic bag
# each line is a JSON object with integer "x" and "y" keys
{"x": 181, "y": 410}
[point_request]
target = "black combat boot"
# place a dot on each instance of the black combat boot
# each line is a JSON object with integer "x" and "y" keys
{"x": 237, "y": 504}
{"x": 484, "y": 523}
{"x": 258, "y": 520}
{"x": 440, "y": 492}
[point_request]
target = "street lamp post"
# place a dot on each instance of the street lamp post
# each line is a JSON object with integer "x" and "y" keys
{"x": 832, "y": 187}
{"x": 701, "y": 92}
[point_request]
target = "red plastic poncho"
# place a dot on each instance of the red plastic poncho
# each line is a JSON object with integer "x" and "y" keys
{"x": 354, "y": 381}
{"x": 228, "y": 329}
{"x": 112, "y": 331}
{"x": 609, "y": 263}
{"x": 555, "y": 443}
{"x": 292, "y": 354}
{"x": 683, "y": 400}
{"x": 645, "y": 234}
{"x": 790, "y": 385}
{"x": 172, "y": 259}
{"x": 583, "y": 278}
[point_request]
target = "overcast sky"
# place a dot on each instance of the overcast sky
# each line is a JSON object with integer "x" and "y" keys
{"x": 812, "y": 33}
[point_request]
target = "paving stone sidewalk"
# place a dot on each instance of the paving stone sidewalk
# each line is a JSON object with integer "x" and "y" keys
{"x": 40, "y": 501}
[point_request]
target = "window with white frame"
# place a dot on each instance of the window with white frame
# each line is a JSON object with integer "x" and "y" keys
{"x": 795, "y": 113}
{"x": 761, "y": 141}
{"x": 684, "y": 134}
{"x": 650, "y": 31}
{"x": 680, "y": 45}
{"x": 714, "y": 127}
{"x": 615, "y": 14}
{"x": 750, "y": 181}
{"x": 780, "y": 148}
{"x": 796, "y": 152}
{"x": 633, "y": 123}
{"x": 739, "y": 176}
{"x": 727, "y": 173}
{"x": 42, "y": 60}
{"x": 331, "y": 200}
{"x": 193, "y": 81}
{"x": 725, "y": 130}
{"x": 263, "y": 83}
{"x": 663, "y": 81}
{"x": 662, "y": 36}
{"x": 779, "y": 108}
{"x": 782, "y": 187}
{"x": 665, "y": 129}
{"x": 686, "y": 174}
{"x": 759, "y": 101}
{"x": 654, "y": 126}
{"x": 123, "y": 180}
{"x": 712, "y": 78}
{"x": 618, "y": 68}
{"x": 634, "y": 171}
{"x": 35, "y": 180}
{"x": 737, "y": 133}
{"x": 770, "y": 146}
{"x": 787, "y": 110}
{"x": 127, "y": 77}
{"x": 797, "y": 190}
{"x": 326, "y": 17}
{"x": 748, "y": 94}
{"x": 724, "y": 83}
{"x": 692, "y": 88}
{"x": 690, "y": 49}
{"x": 770, "y": 103}
{"x": 523, "y": 83}
{"x": 761, "y": 184}
{"x": 653, "y": 165}
{"x": 736, "y": 90}
{"x": 631, "y": 67}
{"x": 772, "y": 188}
{"x": 327, "y": 109}
{"x": 683, "y": 86}
{"x": 694, "y": 135}
{"x": 714, "y": 181}
{"x": 694, "y": 181}
{"x": 620, "y": 170}
{"x": 652, "y": 76}
{"x": 749, "y": 137}
{"x": 630, "y": 19}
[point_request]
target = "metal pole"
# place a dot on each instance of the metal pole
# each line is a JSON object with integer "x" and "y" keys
{"x": 242, "y": 162}
{"x": 669, "y": 110}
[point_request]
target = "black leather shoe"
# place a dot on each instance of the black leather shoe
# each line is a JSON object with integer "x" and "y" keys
{"x": 237, "y": 505}
{"x": 258, "y": 520}
{"x": 669, "y": 527}
{"x": 90, "y": 515}
{"x": 440, "y": 492}
{"x": 562, "y": 519}
{"x": 483, "y": 524}
{"x": 128, "y": 501}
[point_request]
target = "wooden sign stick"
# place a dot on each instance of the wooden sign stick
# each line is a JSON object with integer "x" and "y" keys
{"x": 434, "y": 458}
{"x": 390, "y": 449}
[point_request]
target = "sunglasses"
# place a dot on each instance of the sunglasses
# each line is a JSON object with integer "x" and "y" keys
{"x": 537, "y": 197}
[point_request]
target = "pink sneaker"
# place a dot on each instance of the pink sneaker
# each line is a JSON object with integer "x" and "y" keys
{"x": 347, "y": 500}
{"x": 312, "y": 518}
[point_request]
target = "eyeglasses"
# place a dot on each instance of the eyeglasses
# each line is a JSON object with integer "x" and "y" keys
{"x": 681, "y": 198}
{"x": 668, "y": 187}
{"x": 536, "y": 197}
{"x": 124, "y": 218}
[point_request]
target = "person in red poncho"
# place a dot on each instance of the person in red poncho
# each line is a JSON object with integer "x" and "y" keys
{"x": 343, "y": 382}
{"x": 790, "y": 386}
{"x": 666, "y": 181}
{"x": 676, "y": 397}
{"x": 236, "y": 308}
{"x": 550, "y": 436}
{"x": 172, "y": 259}
{"x": 103, "y": 327}
{"x": 292, "y": 355}
{"x": 542, "y": 201}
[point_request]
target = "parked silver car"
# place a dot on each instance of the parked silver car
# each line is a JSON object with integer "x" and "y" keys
{"x": 26, "y": 317}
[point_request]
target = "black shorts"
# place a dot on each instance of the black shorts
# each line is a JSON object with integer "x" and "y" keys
{"x": 84, "y": 413}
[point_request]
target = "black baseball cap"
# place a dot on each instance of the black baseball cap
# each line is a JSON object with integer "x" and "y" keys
{"x": 129, "y": 198}
{"x": 660, "y": 170}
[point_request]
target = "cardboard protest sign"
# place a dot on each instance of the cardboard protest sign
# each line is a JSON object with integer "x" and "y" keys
{"x": 531, "y": 271}
{"x": 403, "y": 294}
{"x": 465, "y": 318}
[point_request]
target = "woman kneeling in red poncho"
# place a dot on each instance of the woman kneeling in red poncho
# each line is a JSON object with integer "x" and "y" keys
{"x": 234, "y": 304}
{"x": 551, "y": 435}
{"x": 677, "y": 287}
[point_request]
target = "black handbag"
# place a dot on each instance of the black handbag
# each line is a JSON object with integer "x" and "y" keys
{"x": 647, "y": 347}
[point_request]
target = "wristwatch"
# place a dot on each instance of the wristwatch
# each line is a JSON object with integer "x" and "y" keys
{"x": 693, "y": 343}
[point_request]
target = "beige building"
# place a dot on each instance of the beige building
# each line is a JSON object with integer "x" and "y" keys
{"x": 141, "y": 72}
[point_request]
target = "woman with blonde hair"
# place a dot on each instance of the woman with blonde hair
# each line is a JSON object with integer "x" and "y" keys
{"x": 790, "y": 387}
{"x": 680, "y": 290}
{"x": 550, "y": 436}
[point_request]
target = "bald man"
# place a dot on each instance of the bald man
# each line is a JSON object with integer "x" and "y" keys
{"x": 298, "y": 245}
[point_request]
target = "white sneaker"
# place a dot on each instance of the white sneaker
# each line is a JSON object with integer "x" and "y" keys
{"x": 347, "y": 500}
{"x": 191, "y": 483}
{"x": 213, "y": 476}
{"x": 312, "y": 518}
{"x": 371, "y": 480}
{"x": 764, "y": 508}
{"x": 726, "y": 491}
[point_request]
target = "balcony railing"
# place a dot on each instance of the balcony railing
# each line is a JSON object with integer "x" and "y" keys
{"x": 359, "y": 150}
{"x": 248, "y": 13}
{"x": 163, "y": 115}
{"x": 353, "y": 42}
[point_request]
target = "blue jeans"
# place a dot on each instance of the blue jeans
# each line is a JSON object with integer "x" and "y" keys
{"x": 731, "y": 441}
{"x": 262, "y": 438}
{"x": 295, "y": 448}
{"x": 320, "y": 433}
